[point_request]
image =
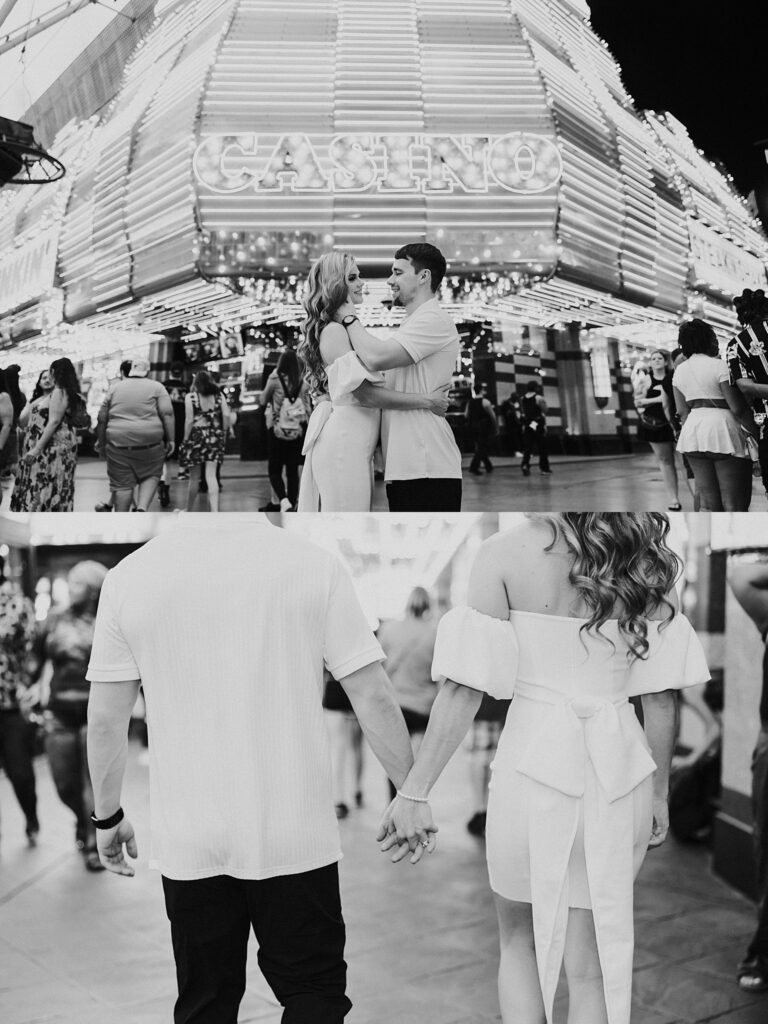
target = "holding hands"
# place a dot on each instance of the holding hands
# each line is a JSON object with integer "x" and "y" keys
{"x": 407, "y": 827}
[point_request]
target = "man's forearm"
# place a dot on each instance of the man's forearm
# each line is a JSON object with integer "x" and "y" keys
{"x": 452, "y": 714}
{"x": 749, "y": 584}
{"x": 101, "y": 429}
{"x": 660, "y": 715}
{"x": 169, "y": 427}
{"x": 109, "y": 715}
{"x": 377, "y": 353}
{"x": 373, "y": 396}
{"x": 752, "y": 389}
{"x": 381, "y": 720}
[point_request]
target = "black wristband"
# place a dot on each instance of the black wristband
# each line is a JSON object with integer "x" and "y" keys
{"x": 109, "y": 822}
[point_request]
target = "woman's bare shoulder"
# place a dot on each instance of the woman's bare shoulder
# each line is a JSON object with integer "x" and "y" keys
{"x": 507, "y": 548}
{"x": 334, "y": 343}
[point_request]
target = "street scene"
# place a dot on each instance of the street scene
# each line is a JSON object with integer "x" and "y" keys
{"x": 79, "y": 949}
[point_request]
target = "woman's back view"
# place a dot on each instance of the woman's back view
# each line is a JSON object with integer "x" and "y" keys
{"x": 571, "y": 615}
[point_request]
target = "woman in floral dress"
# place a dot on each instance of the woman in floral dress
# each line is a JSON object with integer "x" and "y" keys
{"x": 46, "y": 481}
{"x": 205, "y": 434}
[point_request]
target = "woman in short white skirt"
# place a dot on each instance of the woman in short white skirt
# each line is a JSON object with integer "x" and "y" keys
{"x": 713, "y": 413}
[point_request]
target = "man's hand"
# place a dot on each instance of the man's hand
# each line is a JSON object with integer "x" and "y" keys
{"x": 660, "y": 822}
{"x": 409, "y": 826}
{"x": 110, "y": 845}
{"x": 439, "y": 401}
{"x": 170, "y": 447}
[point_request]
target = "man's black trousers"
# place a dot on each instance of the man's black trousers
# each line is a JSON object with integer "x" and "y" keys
{"x": 300, "y": 930}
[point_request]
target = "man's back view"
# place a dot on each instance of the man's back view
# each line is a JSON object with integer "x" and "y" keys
{"x": 228, "y": 630}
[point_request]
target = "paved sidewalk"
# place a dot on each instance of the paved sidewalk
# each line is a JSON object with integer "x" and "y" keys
{"x": 77, "y": 948}
{"x": 621, "y": 483}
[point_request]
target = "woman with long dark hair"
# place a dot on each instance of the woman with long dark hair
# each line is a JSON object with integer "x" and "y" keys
{"x": 9, "y": 453}
{"x": 656, "y": 411}
{"x": 344, "y": 427}
{"x": 287, "y": 398}
{"x": 571, "y": 614}
{"x": 46, "y": 481}
{"x": 206, "y": 424}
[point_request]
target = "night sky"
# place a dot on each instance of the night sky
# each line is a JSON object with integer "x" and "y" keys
{"x": 704, "y": 62}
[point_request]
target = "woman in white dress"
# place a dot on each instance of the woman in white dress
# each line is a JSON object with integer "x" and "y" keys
{"x": 571, "y": 614}
{"x": 343, "y": 429}
{"x": 712, "y": 411}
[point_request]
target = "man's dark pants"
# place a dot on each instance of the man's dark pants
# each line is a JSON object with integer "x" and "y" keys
{"x": 762, "y": 454}
{"x": 425, "y": 495}
{"x": 759, "y": 943}
{"x": 298, "y": 923}
{"x": 16, "y": 749}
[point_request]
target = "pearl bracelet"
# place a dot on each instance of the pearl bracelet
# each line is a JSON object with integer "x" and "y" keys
{"x": 415, "y": 799}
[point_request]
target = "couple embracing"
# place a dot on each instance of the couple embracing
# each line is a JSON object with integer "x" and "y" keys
{"x": 571, "y": 614}
{"x": 368, "y": 388}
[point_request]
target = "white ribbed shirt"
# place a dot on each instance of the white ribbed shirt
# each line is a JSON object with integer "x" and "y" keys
{"x": 416, "y": 443}
{"x": 228, "y": 623}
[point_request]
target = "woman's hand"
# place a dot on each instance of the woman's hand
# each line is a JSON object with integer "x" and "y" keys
{"x": 438, "y": 401}
{"x": 660, "y": 822}
{"x": 29, "y": 698}
{"x": 32, "y": 454}
{"x": 409, "y": 826}
{"x": 347, "y": 308}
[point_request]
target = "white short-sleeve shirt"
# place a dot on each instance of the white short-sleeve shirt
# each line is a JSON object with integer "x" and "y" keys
{"x": 416, "y": 443}
{"x": 229, "y": 630}
{"x": 700, "y": 377}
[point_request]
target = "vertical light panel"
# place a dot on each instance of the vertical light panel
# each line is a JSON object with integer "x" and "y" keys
{"x": 160, "y": 199}
{"x": 378, "y": 92}
{"x": 145, "y": 71}
{"x": 479, "y": 79}
{"x": 270, "y": 90}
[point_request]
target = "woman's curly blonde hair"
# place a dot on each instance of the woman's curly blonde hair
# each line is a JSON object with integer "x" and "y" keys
{"x": 326, "y": 290}
{"x": 620, "y": 561}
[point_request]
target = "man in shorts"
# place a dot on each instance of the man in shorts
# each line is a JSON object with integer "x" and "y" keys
{"x": 135, "y": 432}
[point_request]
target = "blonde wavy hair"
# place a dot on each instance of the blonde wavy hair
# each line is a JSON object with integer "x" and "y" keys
{"x": 620, "y": 562}
{"x": 326, "y": 289}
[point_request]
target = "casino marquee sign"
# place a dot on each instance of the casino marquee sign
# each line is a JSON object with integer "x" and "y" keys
{"x": 518, "y": 162}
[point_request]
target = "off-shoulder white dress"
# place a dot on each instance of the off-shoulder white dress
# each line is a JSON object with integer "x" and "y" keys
{"x": 570, "y": 804}
{"x": 341, "y": 438}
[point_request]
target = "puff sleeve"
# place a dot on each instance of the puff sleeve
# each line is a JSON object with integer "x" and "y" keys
{"x": 476, "y": 650}
{"x": 346, "y": 374}
{"x": 675, "y": 660}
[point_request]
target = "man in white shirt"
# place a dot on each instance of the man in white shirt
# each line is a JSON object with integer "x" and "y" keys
{"x": 422, "y": 462}
{"x": 228, "y": 632}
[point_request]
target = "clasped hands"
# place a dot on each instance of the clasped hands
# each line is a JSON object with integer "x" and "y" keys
{"x": 407, "y": 827}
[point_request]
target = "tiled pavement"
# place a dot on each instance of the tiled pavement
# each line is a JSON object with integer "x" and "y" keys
{"x": 624, "y": 483}
{"x": 80, "y": 949}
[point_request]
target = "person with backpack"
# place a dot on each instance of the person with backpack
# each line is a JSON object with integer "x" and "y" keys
{"x": 46, "y": 480}
{"x": 286, "y": 396}
{"x": 206, "y": 426}
{"x": 483, "y": 425}
{"x": 534, "y": 416}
